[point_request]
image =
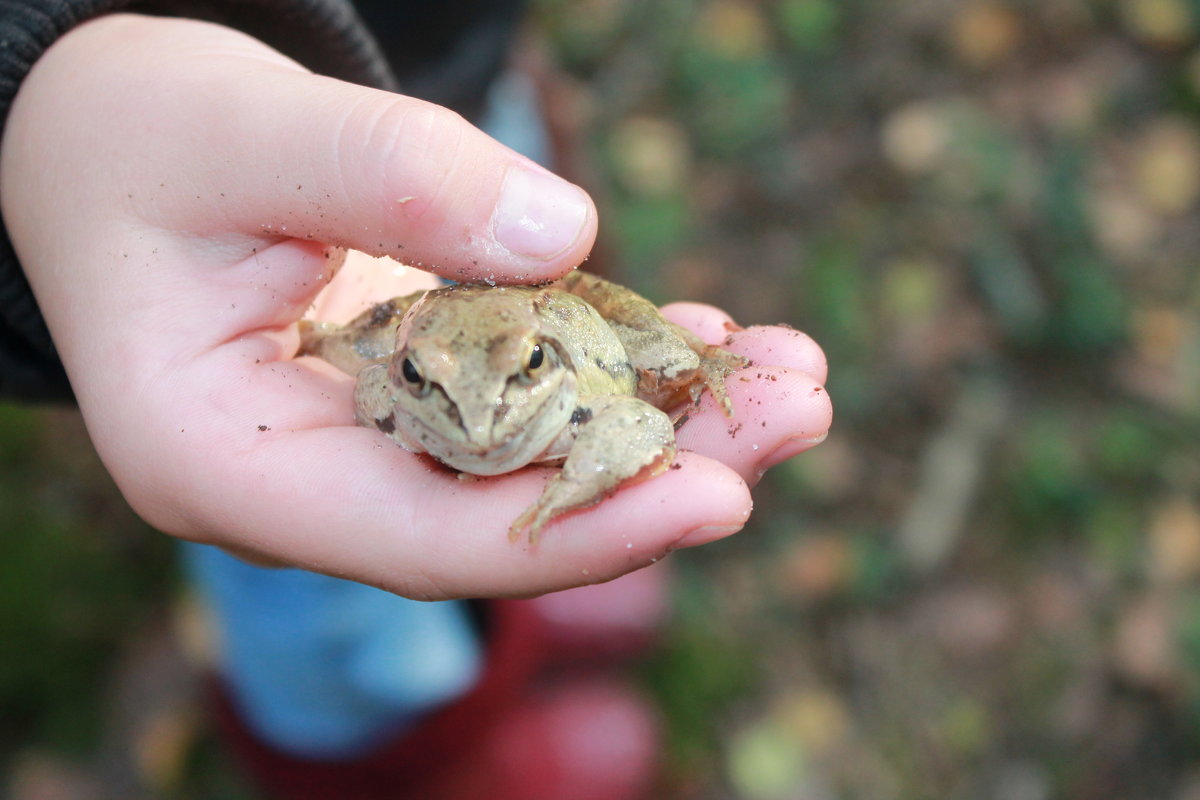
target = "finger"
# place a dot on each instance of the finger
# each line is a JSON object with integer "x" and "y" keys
{"x": 310, "y": 157}
{"x": 762, "y": 344}
{"x": 790, "y": 405}
{"x": 391, "y": 175}
{"x": 780, "y": 346}
{"x": 778, "y": 413}
{"x": 294, "y": 155}
{"x": 710, "y": 323}
{"x": 414, "y": 528}
{"x": 780, "y": 405}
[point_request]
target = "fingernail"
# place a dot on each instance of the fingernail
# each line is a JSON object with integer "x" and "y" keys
{"x": 539, "y": 215}
{"x": 709, "y": 533}
{"x": 790, "y": 448}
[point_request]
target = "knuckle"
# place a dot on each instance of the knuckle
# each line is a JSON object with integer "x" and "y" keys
{"x": 417, "y": 147}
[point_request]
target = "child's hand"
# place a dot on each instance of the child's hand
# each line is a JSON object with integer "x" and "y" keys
{"x": 170, "y": 186}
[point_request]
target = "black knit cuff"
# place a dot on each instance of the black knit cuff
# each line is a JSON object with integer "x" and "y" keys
{"x": 324, "y": 35}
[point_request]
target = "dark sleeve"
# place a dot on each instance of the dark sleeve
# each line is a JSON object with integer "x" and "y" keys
{"x": 324, "y": 35}
{"x": 445, "y": 52}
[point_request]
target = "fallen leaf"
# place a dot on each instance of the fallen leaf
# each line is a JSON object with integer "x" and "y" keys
{"x": 1167, "y": 166}
{"x": 1174, "y": 540}
{"x": 733, "y": 29}
{"x": 1162, "y": 22}
{"x": 817, "y": 566}
{"x": 1143, "y": 642}
{"x": 651, "y": 155}
{"x": 916, "y": 137}
{"x": 985, "y": 32}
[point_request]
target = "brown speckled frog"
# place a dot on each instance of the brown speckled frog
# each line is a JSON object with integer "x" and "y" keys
{"x": 487, "y": 379}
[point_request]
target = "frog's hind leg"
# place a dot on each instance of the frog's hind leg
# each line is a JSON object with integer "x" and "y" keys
{"x": 716, "y": 364}
{"x": 652, "y": 341}
{"x": 368, "y": 338}
{"x": 625, "y": 439}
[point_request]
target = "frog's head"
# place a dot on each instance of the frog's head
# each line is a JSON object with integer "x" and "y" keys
{"x": 475, "y": 383}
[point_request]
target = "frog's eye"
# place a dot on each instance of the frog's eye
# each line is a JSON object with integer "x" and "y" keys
{"x": 534, "y": 361}
{"x": 409, "y": 371}
{"x": 536, "y": 357}
{"x": 412, "y": 378}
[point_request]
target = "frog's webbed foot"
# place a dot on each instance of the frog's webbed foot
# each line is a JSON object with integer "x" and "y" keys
{"x": 625, "y": 439}
{"x": 710, "y": 368}
{"x": 715, "y": 366}
{"x": 664, "y": 354}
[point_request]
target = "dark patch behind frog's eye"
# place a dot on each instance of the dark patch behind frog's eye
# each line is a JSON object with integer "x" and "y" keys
{"x": 536, "y": 357}
{"x": 409, "y": 370}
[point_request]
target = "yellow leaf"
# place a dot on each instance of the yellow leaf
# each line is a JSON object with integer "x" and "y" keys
{"x": 651, "y": 156}
{"x": 817, "y": 566}
{"x": 1164, "y": 22}
{"x": 766, "y": 762}
{"x": 817, "y": 718}
{"x": 916, "y": 137}
{"x": 1143, "y": 643}
{"x": 733, "y": 29}
{"x": 985, "y": 32}
{"x": 1167, "y": 166}
{"x": 1175, "y": 540}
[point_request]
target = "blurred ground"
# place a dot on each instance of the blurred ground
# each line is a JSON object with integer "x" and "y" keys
{"x": 984, "y": 585}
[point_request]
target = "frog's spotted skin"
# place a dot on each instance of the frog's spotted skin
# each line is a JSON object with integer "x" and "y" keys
{"x": 489, "y": 379}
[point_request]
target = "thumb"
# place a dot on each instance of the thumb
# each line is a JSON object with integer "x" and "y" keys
{"x": 236, "y": 139}
{"x": 392, "y": 175}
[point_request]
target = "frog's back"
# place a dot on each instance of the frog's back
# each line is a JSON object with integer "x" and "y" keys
{"x": 587, "y": 341}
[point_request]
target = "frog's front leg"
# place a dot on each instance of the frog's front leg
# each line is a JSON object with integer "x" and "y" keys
{"x": 374, "y": 405}
{"x": 625, "y": 438}
{"x": 367, "y": 339}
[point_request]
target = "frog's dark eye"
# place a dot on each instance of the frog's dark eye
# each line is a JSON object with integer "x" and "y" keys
{"x": 535, "y": 360}
{"x": 416, "y": 385}
{"x": 536, "y": 357}
{"x": 409, "y": 370}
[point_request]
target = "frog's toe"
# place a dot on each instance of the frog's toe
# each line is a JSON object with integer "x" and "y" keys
{"x": 625, "y": 440}
{"x": 716, "y": 366}
{"x": 534, "y": 519}
{"x": 559, "y": 497}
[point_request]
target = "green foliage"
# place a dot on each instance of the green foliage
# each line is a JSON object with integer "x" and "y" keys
{"x": 834, "y": 292}
{"x": 652, "y": 227}
{"x": 735, "y": 106}
{"x": 696, "y": 674}
{"x": 76, "y": 579}
{"x": 810, "y": 26}
{"x": 1048, "y": 481}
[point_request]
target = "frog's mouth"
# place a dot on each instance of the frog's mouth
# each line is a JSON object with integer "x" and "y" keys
{"x": 495, "y": 438}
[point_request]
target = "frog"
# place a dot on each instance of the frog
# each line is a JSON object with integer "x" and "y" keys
{"x": 580, "y": 373}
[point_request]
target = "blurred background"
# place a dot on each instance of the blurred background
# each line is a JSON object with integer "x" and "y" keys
{"x": 984, "y": 584}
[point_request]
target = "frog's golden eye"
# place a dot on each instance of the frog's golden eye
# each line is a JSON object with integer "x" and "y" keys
{"x": 534, "y": 361}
